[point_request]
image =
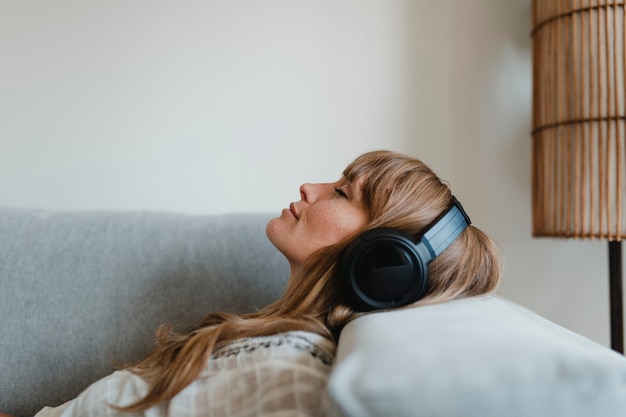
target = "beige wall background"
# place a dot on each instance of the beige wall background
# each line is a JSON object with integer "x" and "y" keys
{"x": 222, "y": 106}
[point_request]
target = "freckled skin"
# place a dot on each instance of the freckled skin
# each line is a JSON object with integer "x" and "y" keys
{"x": 326, "y": 214}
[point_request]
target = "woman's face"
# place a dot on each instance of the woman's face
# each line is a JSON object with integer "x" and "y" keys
{"x": 325, "y": 215}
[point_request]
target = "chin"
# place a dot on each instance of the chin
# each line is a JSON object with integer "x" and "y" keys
{"x": 273, "y": 232}
{"x": 278, "y": 236}
{"x": 269, "y": 228}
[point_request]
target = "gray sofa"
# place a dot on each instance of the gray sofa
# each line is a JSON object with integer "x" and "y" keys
{"x": 80, "y": 289}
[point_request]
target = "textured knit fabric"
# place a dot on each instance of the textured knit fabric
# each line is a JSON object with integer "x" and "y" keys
{"x": 275, "y": 376}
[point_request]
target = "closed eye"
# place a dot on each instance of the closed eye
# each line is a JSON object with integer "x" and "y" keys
{"x": 340, "y": 192}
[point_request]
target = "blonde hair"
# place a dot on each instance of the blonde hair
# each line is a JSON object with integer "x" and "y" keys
{"x": 398, "y": 191}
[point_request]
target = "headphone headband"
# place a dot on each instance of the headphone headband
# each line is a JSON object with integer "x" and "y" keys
{"x": 445, "y": 230}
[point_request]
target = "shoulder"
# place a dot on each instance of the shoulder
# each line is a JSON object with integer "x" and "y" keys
{"x": 119, "y": 388}
{"x": 284, "y": 373}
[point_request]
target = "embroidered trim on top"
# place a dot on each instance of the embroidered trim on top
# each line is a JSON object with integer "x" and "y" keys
{"x": 250, "y": 344}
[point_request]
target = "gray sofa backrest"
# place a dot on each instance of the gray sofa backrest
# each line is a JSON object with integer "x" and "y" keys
{"x": 80, "y": 289}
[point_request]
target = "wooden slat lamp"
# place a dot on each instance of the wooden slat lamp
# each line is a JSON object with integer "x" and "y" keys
{"x": 579, "y": 129}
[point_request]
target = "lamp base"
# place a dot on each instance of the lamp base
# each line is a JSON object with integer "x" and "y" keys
{"x": 615, "y": 294}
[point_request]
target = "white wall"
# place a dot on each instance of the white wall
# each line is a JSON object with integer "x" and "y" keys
{"x": 194, "y": 106}
{"x": 217, "y": 106}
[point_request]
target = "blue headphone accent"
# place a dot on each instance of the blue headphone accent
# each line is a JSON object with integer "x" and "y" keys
{"x": 387, "y": 268}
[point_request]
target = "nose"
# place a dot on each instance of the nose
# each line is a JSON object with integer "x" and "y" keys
{"x": 313, "y": 192}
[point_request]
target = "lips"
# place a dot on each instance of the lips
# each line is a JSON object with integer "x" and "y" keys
{"x": 292, "y": 208}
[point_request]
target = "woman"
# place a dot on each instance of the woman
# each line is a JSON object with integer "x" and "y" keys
{"x": 229, "y": 362}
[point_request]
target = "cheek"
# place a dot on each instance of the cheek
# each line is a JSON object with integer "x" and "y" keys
{"x": 335, "y": 228}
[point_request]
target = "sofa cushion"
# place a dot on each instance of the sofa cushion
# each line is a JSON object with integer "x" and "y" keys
{"x": 81, "y": 289}
{"x": 482, "y": 356}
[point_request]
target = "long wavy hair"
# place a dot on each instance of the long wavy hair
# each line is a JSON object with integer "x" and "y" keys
{"x": 398, "y": 191}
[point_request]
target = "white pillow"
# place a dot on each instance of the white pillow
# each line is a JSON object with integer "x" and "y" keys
{"x": 482, "y": 356}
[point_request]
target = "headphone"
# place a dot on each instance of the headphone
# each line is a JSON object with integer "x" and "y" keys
{"x": 388, "y": 268}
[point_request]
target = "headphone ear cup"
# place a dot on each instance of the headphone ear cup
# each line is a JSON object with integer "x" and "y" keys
{"x": 382, "y": 269}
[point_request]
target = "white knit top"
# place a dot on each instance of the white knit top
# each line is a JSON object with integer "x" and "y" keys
{"x": 282, "y": 375}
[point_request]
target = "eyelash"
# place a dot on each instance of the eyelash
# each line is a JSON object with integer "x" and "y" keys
{"x": 340, "y": 192}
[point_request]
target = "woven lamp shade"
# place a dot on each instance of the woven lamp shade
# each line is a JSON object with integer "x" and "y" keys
{"x": 579, "y": 119}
